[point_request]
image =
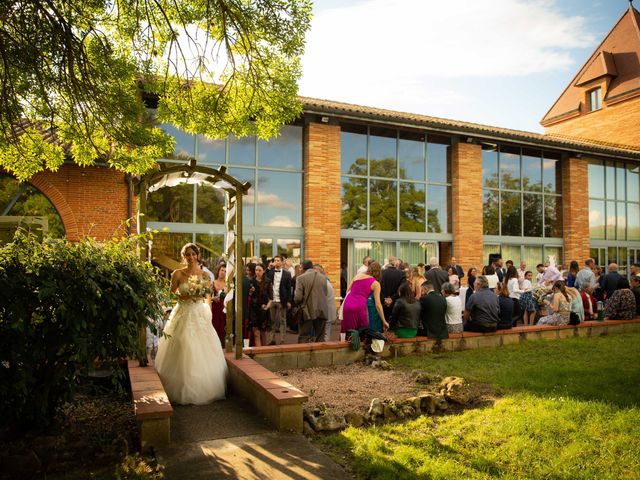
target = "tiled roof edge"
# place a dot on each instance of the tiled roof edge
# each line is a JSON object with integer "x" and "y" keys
{"x": 345, "y": 110}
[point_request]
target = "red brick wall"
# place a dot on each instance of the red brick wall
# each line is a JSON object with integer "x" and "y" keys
{"x": 466, "y": 199}
{"x": 322, "y": 198}
{"x": 575, "y": 201}
{"x": 92, "y": 201}
{"x": 617, "y": 123}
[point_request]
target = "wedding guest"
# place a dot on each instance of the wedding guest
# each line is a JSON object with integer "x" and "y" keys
{"x": 453, "y": 317}
{"x": 219, "y": 290}
{"x": 621, "y": 304}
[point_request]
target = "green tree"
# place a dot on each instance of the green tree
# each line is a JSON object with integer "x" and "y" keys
{"x": 78, "y": 69}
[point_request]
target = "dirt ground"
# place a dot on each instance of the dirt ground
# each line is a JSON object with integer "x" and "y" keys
{"x": 350, "y": 388}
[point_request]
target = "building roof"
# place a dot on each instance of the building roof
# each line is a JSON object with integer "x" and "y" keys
{"x": 474, "y": 131}
{"x": 617, "y": 57}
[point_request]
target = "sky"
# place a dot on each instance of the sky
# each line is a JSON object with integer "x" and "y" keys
{"x": 495, "y": 62}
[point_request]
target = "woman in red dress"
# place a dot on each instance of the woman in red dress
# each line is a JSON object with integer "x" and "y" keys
{"x": 218, "y": 317}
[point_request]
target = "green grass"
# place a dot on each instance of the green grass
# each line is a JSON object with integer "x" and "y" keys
{"x": 570, "y": 410}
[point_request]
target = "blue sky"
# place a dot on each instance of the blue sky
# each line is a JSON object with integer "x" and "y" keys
{"x": 497, "y": 62}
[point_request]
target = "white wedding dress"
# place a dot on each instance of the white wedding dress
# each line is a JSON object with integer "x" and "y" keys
{"x": 190, "y": 361}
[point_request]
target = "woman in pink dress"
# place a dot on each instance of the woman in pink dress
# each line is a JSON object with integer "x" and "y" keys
{"x": 218, "y": 317}
{"x": 354, "y": 310}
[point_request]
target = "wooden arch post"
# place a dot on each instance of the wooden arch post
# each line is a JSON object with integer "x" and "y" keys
{"x": 234, "y": 191}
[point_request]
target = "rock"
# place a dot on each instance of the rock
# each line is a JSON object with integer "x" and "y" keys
{"x": 307, "y": 429}
{"x": 354, "y": 419}
{"x": 441, "y": 402}
{"x": 447, "y": 380}
{"x": 408, "y": 411}
{"x": 310, "y": 412}
{"x": 423, "y": 378}
{"x": 414, "y": 402}
{"x": 330, "y": 422}
{"x": 456, "y": 390}
{"x": 390, "y": 413}
{"x": 376, "y": 408}
{"x": 427, "y": 403}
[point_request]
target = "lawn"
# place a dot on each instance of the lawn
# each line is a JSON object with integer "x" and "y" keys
{"x": 568, "y": 409}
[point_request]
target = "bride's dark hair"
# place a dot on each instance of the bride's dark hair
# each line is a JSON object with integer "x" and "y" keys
{"x": 191, "y": 246}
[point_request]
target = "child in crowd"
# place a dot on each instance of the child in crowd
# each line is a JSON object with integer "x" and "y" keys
{"x": 527, "y": 302}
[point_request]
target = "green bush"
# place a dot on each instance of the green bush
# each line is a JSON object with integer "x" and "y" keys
{"x": 66, "y": 306}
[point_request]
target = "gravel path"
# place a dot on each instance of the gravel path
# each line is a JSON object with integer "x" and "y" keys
{"x": 350, "y": 388}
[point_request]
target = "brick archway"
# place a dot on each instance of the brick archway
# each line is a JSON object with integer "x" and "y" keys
{"x": 60, "y": 203}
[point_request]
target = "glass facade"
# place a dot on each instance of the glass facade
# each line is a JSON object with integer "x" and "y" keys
{"x": 394, "y": 181}
{"x": 614, "y": 200}
{"x": 271, "y": 209}
{"x": 522, "y": 192}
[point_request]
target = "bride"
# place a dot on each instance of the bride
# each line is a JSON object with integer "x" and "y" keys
{"x": 190, "y": 361}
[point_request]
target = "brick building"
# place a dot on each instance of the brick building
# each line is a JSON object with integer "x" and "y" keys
{"x": 346, "y": 181}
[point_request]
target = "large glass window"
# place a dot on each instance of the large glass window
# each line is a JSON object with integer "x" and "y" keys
{"x": 274, "y": 169}
{"x": 614, "y": 200}
{"x": 273, "y": 204}
{"x": 394, "y": 180}
{"x": 521, "y": 195}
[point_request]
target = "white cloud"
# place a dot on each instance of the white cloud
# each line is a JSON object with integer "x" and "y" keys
{"x": 388, "y": 54}
{"x": 281, "y": 221}
{"x": 270, "y": 200}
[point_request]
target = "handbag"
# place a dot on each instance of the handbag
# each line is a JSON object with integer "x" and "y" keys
{"x": 297, "y": 313}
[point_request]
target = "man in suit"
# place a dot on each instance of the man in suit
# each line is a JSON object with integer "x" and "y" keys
{"x": 436, "y": 275}
{"x": 281, "y": 281}
{"x": 390, "y": 282}
{"x": 497, "y": 264}
{"x": 457, "y": 268}
{"x": 311, "y": 296}
{"x": 433, "y": 311}
{"x": 610, "y": 280}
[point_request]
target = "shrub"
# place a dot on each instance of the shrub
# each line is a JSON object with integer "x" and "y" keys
{"x": 65, "y": 306}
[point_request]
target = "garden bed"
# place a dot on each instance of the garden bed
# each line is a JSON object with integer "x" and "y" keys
{"x": 348, "y": 390}
{"x": 92, "y": 438}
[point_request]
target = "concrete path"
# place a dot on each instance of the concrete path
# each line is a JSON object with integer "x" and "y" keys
{"x": 228, "y": 439}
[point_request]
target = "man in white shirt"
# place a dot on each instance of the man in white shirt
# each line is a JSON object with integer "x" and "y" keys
{"x": 365, "y": 265}
{"x": 521, "y": 271}
{"x": 281, "y": 280}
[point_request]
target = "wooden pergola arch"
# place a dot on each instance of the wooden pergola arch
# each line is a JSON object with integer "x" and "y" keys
{"x": 234, "y": 191}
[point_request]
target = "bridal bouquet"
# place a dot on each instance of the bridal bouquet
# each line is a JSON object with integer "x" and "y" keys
{"x": 198, "y": 286}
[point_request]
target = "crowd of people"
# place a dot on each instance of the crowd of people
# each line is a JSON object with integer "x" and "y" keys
{"x": 430, "y": 299}
{"x": 278, "y": 297}
{"x": 380, "y": 301}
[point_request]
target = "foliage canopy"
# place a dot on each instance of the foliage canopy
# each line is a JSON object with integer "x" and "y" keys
{"x": 77, "y": 69}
